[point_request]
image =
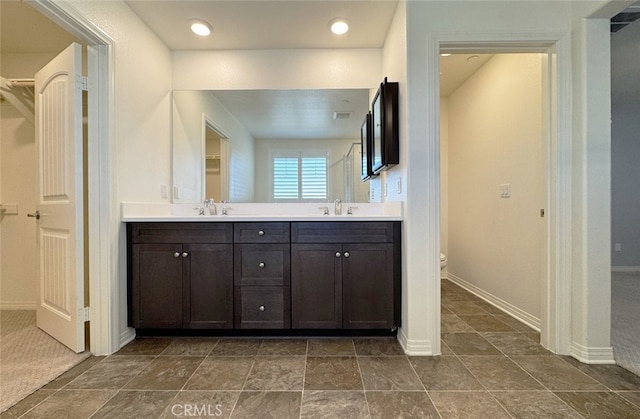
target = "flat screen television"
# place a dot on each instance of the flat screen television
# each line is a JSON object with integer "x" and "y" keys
{"x": 365, "y": 148}
{"x": 385, "y": 150}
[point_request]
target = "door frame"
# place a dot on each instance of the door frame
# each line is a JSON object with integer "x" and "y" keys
{"x": 556, "y": 287}
{"x": 103, "y": 260}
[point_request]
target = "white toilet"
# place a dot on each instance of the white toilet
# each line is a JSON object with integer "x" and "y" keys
{"x": 443, "y": 261}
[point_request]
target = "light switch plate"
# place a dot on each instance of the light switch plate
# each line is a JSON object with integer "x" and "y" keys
{"x": 505, "y": 190}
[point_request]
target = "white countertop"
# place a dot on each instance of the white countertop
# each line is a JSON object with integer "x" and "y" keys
{"x": 244, "y": 212}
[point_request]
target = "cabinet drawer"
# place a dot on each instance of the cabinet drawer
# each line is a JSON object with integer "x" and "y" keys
{"x": 262, "y": 264}
{"x": 261, "y": 233}
{"x": 344, "y": 232}
{"x": 262, "y": 308}
{"x": 180, "y": 232}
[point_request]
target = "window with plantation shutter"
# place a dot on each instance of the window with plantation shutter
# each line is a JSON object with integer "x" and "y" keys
{"x": 300, "y": 177}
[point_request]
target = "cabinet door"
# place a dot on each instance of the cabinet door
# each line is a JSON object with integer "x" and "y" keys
{"x": 208, "y": 286}
{"x": 156, "y": 286}
{"x": 368, "y": 286}
{"x": 316, "y": 286}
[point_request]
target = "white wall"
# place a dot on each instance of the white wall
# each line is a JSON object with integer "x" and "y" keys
{"x": 625, "y": 146}
{"x": 188, "y": 110}
{"x": 496, "y": 137}
{"x": 18, "y": 176}
{"x": 337, "y": 150}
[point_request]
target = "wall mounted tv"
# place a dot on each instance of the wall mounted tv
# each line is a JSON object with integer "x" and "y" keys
{"x": 365, "y": 148}
{"x": 385, "y": 150}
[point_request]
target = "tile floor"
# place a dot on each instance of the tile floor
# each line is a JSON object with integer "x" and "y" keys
{"x": 491, "y": 367}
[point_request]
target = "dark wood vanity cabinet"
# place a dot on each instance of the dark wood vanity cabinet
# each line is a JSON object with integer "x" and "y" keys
{"x": 180, "y": 275}
{"x": 345, "y": 275}
{"x": 264, "y": 275}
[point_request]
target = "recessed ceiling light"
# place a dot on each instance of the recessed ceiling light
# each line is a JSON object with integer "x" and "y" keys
{"x": 200, "y": 27}
{"x": 445, "y": 54}
{"x": 339, "y": 26}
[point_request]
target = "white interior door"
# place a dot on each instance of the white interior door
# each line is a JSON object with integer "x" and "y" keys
{"x": 58, "y": 88}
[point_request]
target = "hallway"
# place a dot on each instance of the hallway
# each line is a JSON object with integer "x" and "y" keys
{"x": 491, "y": 367}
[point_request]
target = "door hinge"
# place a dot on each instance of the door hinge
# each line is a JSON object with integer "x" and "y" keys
{"x": 83, "y": 83}
{"x": 85, "y": 314}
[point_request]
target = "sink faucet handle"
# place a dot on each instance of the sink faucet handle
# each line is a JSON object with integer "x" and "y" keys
{"x": 325, "y": 210}
{"x": 350, "y": 210}
{"x": 200, "y": 210}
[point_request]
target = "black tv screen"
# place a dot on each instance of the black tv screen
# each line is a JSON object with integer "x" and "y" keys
{"x": 365, "y": 148}
{"x": 385, "y": 127}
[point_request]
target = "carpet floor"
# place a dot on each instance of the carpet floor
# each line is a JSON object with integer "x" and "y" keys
{"x": 29, "y": 358}
{"x": 625, "y": 319}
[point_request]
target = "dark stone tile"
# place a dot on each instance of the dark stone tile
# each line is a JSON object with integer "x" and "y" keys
{"x": 400, "y": 404}
{"x": 450, "y": 323}
{"x": 165, "y": 373}
{"x": 71, "y": 404}
{"x": 276, "y": 373}
{"x": 534, "y": 405}
{"x": 331, "y": 347}
{"x": 488, "y": 307}
{"x": 515, "y": 343}
{"x": 135, "y": 405}
{"x": 597, "y": 405}
{"x": 65, "y": 378}
{"x": 613, "y": 377}
{"x": 465, "y": 307}
{"x": 444, "y": 348}
{"x": 185, "y": 346}
{"x": 209, "y": 404}
{"x": 112, "y": 372}
{"x": 557, "y": 374}
{"x": 220, "y": 373}
{"x": 26, "y": 404}
{"x": 517, "y": 324}
{"x": 630, "y": 396}
{"x": 378, "y": 347}
{"x": 283, "y": 347}
{"x": 469, "y": 344}
{"x": 332, "y": 373}
{"x": 499, "y": 373}
{"x": 334, "y": 404}
{"x": 268, "y": 404}
{"x": 444, "y": 373}
{"x": 236, "y": 347}
{"x": 486, "y": 323}
{"x": 465, "y": 404}
{"x": 145, "y": 346}
{"x": 388, "y": 373}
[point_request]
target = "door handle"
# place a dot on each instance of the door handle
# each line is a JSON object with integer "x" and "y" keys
{"x": 35, "y": 215}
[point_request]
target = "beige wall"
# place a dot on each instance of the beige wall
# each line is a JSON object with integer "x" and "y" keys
{"x": 495, "y": 137}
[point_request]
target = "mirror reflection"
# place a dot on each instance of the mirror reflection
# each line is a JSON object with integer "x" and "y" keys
{"x": 268, "y": 145}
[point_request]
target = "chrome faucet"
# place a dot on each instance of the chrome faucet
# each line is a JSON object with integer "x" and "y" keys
{"x": 337, "y": 207}
{"x": 209, "y": 203}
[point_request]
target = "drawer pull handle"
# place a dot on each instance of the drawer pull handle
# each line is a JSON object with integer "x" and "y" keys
{"x": 176, "y": 255}
{"x": 261, "y": 264}
{"x": 261, "y": 308}
{"x": 261, "y": 233}
{"x": 185, "y": 254}
{"x": 338, "y": 254}
{"x": 346, "y": 254}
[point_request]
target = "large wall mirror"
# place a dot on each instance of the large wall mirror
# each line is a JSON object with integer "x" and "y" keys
{"x": 268, "y": 145}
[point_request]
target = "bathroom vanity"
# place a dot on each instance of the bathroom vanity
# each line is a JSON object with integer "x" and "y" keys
{"x": 286, "y": 274}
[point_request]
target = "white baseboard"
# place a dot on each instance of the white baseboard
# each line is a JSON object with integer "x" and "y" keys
{"x": 499, "y": 303}
{"x": 625, "y": 269}
{"x": 592, "y": 355}
{"x": 18, "y": 305}
{"x": 127, "y": 336}
{"x": 414, "y": 347}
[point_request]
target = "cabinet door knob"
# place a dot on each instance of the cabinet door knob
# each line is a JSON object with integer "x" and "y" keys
{"x": 338, "y": 254}
{"x": 261, "y": 308}
{"x": 346, "y": 254}
{"x": 261, "y": 264}
{"x": 176, "y": 255}
{"x": 261, "y": 233}
{"x": 185, "y": 254}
